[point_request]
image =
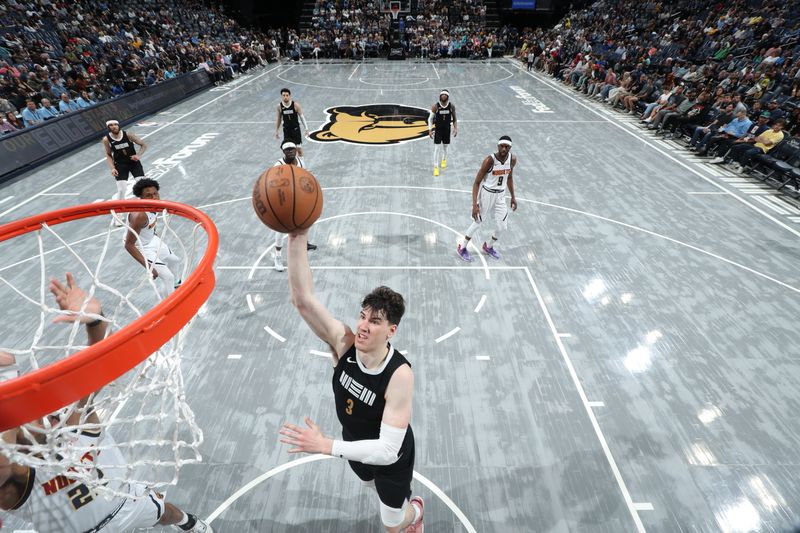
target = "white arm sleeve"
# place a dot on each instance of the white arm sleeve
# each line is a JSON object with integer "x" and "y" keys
{"x": 380, "y": 452}
{"x": 303, "y": 118}
{"x": 430, "y": 121}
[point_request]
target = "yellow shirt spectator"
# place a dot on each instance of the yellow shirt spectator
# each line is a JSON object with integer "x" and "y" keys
{"x": 770, "y": 136}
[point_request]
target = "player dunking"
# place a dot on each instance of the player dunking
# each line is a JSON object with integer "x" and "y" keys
{"x": 290, "y": 114}
{"x": 289, "y": 158}
{"x": 121, "y": 155}
{"x": 373, "y": 387}
{"x": 144, "y": 244}
{"x": 443, "y": 114}
{"x": 47, "y": 496}
{"x": 489, "y": 196}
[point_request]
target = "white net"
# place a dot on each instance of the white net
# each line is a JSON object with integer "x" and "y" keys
{"x": 139, "y": 428}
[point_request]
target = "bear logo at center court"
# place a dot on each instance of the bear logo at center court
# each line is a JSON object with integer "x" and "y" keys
{"x": 373, "y": 124}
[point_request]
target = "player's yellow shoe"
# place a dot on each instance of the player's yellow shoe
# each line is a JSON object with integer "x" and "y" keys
{"x": 444, "y": 163}
{"x": 435, "y": 171}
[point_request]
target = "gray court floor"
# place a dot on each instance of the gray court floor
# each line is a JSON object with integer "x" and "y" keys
{"x": 631, "y": 363}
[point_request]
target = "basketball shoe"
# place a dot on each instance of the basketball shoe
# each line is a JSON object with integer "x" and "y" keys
{"x": 435, "y": 171}
{"x": 491, "y": 252}
{"x": 278, "y": 263}
{"x": 464, "y": 254}
{"x": 444, "y": 163}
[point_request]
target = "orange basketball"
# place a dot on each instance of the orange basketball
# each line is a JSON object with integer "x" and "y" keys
{"x": 287, "y": 198}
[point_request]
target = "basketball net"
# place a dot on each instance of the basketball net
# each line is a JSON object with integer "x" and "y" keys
{"x": 395, "y": 11}
{"x": 143, "y": 414}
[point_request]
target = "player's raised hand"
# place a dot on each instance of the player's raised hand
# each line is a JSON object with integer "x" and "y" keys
{"x": 71, "y": 298}
{"x": 305, "y": 440}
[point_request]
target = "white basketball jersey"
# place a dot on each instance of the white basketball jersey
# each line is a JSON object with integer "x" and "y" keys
{"x": 147, "y": 233}
{"x": 280, "y": 162}
{"x": 58, "y": 504}
{"x": 496, "y": 179}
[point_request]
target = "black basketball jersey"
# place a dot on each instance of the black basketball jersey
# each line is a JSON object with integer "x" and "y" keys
{"x": 290, "y": 119}
{"x": 360, "y": 397}
{"x": 121, "y": 150}
{"x": 443, "y": 116}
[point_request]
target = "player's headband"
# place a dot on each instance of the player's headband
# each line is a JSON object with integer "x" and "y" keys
{"x": 287, "y": 145}
{"x": 110, "y": 122}
{"x": 504, "y": 141}
{"x": 444, "y": 91}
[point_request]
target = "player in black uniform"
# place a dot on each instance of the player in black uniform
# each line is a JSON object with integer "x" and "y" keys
{"x": 121, "y": 155}
{"x": 373, "y": 387}
{"x": 290, "y": 114}
{"x": 443, "y": 114}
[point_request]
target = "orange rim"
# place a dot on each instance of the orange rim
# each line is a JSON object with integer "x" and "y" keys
{"x": 54, "y": 386}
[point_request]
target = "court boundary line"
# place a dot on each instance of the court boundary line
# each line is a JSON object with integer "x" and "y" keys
{"x": 554, "y": 206}
{"x": 588, "y": 408}
{"x": 389, "y": 87}
{"x": 647, "y": 142}
{"x": 84, "y": 169}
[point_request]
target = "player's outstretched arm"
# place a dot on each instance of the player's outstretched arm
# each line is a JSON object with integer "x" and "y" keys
{"x": 301, "y": 287}
{"x": 381, "y": 451}
{"x": 70, "y": 297}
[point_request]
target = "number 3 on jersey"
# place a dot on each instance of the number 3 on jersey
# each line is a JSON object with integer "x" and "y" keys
{"x": 349, "y": 409}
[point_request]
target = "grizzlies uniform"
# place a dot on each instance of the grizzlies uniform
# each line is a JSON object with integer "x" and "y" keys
{"x": 291, "y": 124}
{"x": 360, "y": 400}
{"x": 442, "y": 120}
{"x": 121, "y": 152}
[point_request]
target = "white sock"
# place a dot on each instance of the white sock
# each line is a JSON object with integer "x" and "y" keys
{"x": 183, "y": 521}
{"x": 416, "y": 513}
{"x": 444, "y": 148}
{"x": 122, "y": 187}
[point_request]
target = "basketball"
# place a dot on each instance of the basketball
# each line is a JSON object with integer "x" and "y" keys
{"x": 287, "y": 198}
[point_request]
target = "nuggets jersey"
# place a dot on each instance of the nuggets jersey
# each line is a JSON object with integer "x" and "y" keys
{"x": 55, "y": 503}
{"x": 290, "y": 119}
{"x": 298, "y": 161}
{"x": 496, "y": 179}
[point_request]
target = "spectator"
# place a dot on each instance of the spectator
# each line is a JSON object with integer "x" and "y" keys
{"x": 47, "y": 111}
{"x": 31, "y": 115}
{"x": 742, "y": 154}
{"x": 14, "y": 121}
{"x": 66, "y": 105}
{"x": 84, "y": 100}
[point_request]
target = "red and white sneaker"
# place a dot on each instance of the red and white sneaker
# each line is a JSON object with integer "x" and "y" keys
{"x": 418, "y": 526}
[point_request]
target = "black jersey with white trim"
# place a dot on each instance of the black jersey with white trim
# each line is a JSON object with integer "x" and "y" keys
{"x": 122, "y": 149}
{"x": 443, "y": 116}
{"x": 291, "y": 121}
{"x": 361, "y": 396}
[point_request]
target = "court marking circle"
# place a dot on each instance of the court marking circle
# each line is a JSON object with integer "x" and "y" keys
{"x": 319, "y": 457}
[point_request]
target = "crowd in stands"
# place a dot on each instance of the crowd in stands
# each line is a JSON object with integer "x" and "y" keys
{"x": 57, "y": 57}
{"x": 722, "y": 77}
{"x": 431, "y": 29}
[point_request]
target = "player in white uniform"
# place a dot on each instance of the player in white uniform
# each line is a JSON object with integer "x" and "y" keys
{"x": 489, "y": 197}
{"x": 54, "y": 502}
{"x": 148, "y": 249}
{"x": 289, "y": 158}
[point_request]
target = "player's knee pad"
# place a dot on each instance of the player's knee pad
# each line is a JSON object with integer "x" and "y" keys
{"x": 392, "y": 517}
